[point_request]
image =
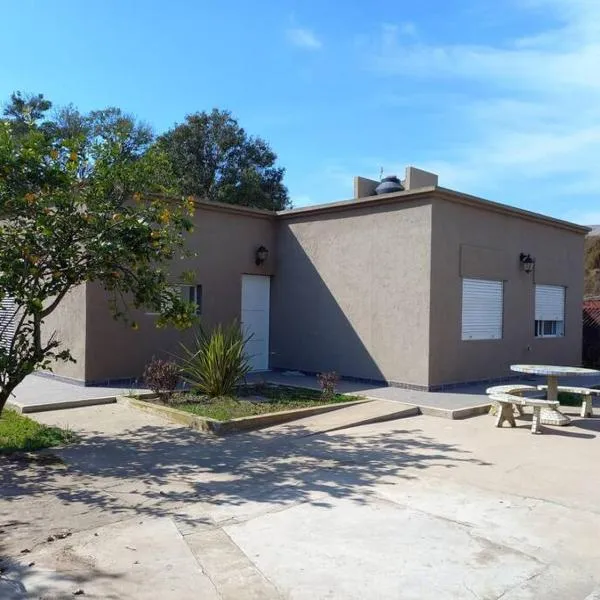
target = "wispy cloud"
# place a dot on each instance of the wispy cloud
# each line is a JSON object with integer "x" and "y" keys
{"x": 303, "y": 38}
{"x": 536, "y": 112}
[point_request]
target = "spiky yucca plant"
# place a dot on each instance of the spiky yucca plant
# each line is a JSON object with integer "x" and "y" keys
{"x": 217, "y": 362}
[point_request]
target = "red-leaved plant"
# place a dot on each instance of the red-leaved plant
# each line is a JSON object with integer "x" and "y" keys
{"x": 328, "y": 382}
{"x": 162, "y": 377}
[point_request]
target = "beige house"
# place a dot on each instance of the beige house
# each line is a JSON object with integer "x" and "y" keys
{"x": 423, "y": 287}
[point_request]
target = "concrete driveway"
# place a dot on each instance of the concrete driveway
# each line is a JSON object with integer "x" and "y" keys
{"x": 416, "y": 508}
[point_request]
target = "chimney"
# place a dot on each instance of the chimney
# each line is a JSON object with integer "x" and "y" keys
{"x": 364, "y": 187}
{"x": 417, "y": 178}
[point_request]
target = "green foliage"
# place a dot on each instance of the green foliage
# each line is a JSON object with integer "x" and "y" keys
{"x": 214, "y": 158}
{"x": 82, "y": 199}
{"x": 217, "y": 363}
{"x": 279, "y": 398}
{"x": 20, "y": 433}
{"x": 162, "y": 377}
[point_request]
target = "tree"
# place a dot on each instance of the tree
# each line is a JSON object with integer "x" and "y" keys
{"x": 214, "y": 158}
{"x": 81, "y": 199}
{"x": 25, "y": 110}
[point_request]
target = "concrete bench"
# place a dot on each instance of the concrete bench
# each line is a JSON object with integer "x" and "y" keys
{"x": 587, "y": 393}
{"x": 506, "y": 403}
{"x": 514, "y": 389}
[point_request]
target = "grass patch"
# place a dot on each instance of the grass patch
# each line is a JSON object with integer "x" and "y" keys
{"x": 570, "y": 399}
{"x": 254, "y": 400}
{"x": 21, "y": 433}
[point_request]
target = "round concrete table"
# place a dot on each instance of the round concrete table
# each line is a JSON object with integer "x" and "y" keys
{"x": 551, "y": 416}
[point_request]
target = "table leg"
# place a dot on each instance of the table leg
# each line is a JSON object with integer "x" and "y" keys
{"x": 552, "y": 416}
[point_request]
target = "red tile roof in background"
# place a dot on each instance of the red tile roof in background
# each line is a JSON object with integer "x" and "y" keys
{"x": 591, "y": 312}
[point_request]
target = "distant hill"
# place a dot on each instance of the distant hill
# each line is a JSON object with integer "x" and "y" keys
{"x": 595, "y": 230}
{"x": 592, "y": 262}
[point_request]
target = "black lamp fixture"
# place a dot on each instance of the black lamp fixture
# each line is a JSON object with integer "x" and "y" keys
{"x": 527, "y": 262}
{"x": 261, "y": 255}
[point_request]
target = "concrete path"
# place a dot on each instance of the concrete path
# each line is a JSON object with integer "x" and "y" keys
{"x": 439, "y": 404}
{"x": 375, "y": 411}
{"x": 459, "y": 403}
{"x": 416, "y": 508}
{"x": 39, "y": 393}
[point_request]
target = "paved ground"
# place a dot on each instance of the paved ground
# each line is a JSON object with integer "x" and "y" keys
{"x": 37, "y": 393}
{"x": 416, "y": 508}
{"x": 455, "y": 403}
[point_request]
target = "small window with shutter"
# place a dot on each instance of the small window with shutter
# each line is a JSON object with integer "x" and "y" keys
{"x": 549, "y": 311}
{"x": 482, "y": 309}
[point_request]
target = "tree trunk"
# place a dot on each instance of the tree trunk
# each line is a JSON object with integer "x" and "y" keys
{"x": 4, "y": 396}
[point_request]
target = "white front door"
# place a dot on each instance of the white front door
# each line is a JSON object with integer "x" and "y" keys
{"x": 256, "y": 291}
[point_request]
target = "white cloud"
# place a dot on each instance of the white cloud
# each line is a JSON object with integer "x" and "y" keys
{"x": 536, "y": 113}
{"x": 303, "y": 38}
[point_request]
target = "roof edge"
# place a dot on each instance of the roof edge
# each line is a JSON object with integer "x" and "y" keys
{"x": 342, "y": 205}
{"x": 433, "y": 192}
{"x": 460, "y": 197}
{"x": 225, "y": 207}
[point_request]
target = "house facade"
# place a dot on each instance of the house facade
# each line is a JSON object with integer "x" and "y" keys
{"x": 424, "y": 287}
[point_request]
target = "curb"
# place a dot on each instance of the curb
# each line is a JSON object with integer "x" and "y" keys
{"x": 209, "y": 425}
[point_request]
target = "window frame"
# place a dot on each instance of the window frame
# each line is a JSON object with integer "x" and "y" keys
{"x": 193, "y": 298}
{"x": 498, "y": 282}
{"x": 558, "y": 325}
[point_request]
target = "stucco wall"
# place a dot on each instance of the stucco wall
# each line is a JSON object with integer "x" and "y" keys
{"x": 68, "y": 321}
{"x": 472, "y": 242}
{"x": 351, "y": 293}
{"x": 225, "y": 243}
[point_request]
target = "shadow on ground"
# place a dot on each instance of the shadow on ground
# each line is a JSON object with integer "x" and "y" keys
{"x": 158, "y": 471}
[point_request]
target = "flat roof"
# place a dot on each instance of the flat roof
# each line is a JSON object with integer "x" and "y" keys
{"x": 405, "y": 196}
{"x": 431, "y": 192}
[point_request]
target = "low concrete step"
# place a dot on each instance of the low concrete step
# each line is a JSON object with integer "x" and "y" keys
{"x": 375, "y": 411}
{"x": 44, "y": 403}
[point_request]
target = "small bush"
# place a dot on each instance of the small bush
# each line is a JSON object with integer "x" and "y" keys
{"x": 162, "y": 377}
{"x": 328, "y": 382}
{"x": 217, "y": 362}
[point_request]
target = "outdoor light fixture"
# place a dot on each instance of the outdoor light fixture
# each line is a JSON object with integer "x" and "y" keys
{"x": 261, "y": 255}
{"x": 527, "y": 262}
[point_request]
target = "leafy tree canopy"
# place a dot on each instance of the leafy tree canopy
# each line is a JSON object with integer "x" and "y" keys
{"x": 82, "y": 198}
{"x": 214, "y": 158}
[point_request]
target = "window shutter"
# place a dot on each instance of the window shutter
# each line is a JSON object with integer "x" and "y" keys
{"x": 549, "y": 303}
{"x": 8, "y": 320}
{"x": 482, "y": 309}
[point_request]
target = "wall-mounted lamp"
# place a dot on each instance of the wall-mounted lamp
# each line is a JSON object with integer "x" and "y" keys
{"x": 527, "y": 262}
{"x": 261, "y": 255}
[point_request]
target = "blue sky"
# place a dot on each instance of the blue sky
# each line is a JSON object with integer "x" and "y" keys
{"x": 500, "y": 97}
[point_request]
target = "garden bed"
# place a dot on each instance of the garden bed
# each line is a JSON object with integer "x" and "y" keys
{"x": 19, "y": 433}
{"x": 254, "y": 407}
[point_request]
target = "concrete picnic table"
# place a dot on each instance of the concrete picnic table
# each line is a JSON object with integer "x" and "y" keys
{"x": 552, "y": 416}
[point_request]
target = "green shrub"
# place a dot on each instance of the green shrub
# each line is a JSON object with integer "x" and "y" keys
{"x": 217, "y": 362}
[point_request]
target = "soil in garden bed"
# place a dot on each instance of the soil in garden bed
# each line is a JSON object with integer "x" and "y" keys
{"x": 251, "y": 400}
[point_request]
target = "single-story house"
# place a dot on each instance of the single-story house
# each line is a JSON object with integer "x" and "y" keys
{"x": 422, "y": 286}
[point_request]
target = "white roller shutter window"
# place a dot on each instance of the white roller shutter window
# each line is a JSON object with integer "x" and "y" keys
{"x": 482, "y": 308}
{"x": 549, "y": 303}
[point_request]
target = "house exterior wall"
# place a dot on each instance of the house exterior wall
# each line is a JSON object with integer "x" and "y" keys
{"x": 481, "y": 243}
{"x": 351, "y": 293}
{"x": 68, "y": 322}
{"x": 224, "y": 242}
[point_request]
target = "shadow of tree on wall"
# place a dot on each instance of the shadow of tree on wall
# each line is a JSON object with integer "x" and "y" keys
{"x": 196, "y": 479}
